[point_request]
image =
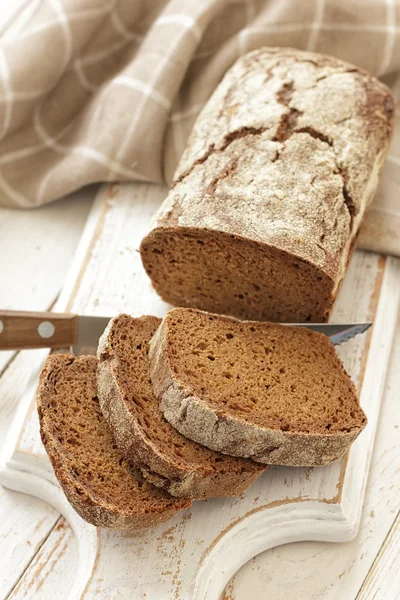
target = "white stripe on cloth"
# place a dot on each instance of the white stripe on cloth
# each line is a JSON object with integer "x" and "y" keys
{"x": 122, "y": 30}
{"x": 139, "y": 108}
{"x": 8, "y": 97}
{"x": 177, "y": 127}
{"x": 50, "y": 142}
{"x": 210, "y": 51}
{"x": 181, "y": 19}
{"x": 390, "y": 36}
{"x": 89, "y": 13}
{"x": 77, "y": 66}
{"x": 143, "y": 88}
{"x": 177, "y": 132}
{"x": 97, "y": 56}
{"x": 72, "y": 17}
{"x": 83, "y": 80}
{"x": 18, "y": 198}
{"x": 21, "y": 96}
{"x": 65, "y": 25}
{"x": 40, "y": 29}
{"x": 194, "y": 109}
{"x": 15, "y": 155}
{"x": 316, "y": 26}
{"x": 289, "y": 27}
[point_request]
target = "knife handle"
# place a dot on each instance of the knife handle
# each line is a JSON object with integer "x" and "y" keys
{"x": 21, "y": 330}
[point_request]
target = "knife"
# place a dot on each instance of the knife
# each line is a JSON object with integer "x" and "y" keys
{"x": 20, "y": 330}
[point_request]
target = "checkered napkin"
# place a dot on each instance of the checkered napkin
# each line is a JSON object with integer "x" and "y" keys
{"x": 108, "y": 90}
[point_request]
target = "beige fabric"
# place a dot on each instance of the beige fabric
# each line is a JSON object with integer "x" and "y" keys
{"x": 108, "y": 90}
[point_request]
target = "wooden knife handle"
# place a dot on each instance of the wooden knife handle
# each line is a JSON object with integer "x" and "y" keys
{"x": 20, "y": 330}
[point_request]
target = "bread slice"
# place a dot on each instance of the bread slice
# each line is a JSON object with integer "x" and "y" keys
{"x": 144, "y": 437}
{"x": 275, "y": 393}
{"x": 95, "y": 478}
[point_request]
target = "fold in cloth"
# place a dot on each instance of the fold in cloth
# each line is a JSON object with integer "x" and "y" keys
{"x": 108, "y": 90}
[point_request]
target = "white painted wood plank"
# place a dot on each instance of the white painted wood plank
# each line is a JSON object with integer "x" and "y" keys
{"x": 114, "y": 278}
{"x": 25, "y": 524}
{"x": 38, "y": 246}
{"x": 39, "y": 243}
{"x": 42, "y": 579}
{"x": 313, "y": 570}
{"x": 383, "y": 580}
{"x": 13, "y": 385}
{"x": 24, "y": 521}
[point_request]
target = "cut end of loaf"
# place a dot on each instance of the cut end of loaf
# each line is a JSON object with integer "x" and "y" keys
{"x": 226, "y": 274}
{"x": 96, "y": 479}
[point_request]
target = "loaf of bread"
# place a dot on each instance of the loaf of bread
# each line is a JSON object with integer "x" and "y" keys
{"x": 270, "y": 193}
{"x": 96, "y": 479}
{"x": 275, "y": 393}
{"x": 161, "y": 454}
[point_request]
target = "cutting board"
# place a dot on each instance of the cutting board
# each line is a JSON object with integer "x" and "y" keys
{"x": 194, "y": 555}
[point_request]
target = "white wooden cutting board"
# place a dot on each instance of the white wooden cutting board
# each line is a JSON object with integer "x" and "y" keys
{"x": 196, "y": 553}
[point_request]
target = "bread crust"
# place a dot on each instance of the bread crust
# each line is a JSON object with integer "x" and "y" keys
{"x": 92, "y": 508}
{"x": 287, "y": 154}
{"x": 186, "y": 480}
{"x": 195, "y": 419}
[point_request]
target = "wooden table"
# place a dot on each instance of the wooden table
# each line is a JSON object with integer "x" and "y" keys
{"x": 37, "y": 547}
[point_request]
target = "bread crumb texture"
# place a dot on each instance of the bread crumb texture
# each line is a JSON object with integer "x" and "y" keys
{"x": 95, "y": 477}
{"x": 252, "y": 382}
{"x": 286, "y": 378}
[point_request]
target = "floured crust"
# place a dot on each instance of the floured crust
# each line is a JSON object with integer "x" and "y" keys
{"x": 196, "y": 479}
{"x": 200, "y": 421}
{"x": 287, "y": 153}
{"x": 92, "y": 507}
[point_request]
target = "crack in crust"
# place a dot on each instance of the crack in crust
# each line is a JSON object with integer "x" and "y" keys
{"x": 228, "y": 139}
{"x": 226, "y": 172}
{"x": 286, "y": 128}
{"x": 287, "y": 125}
{"x": 285, "y": 93}
{"x": 342, "y": 171}
{"x": 316, "y": 135}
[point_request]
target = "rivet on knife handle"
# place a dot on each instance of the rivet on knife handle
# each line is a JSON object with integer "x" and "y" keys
{"x": 21, "y": 330}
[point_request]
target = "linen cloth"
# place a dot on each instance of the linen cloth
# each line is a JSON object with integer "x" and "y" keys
{"x": 108, "y": 90}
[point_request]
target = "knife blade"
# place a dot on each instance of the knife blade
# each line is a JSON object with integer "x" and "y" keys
{"x": 21, "y": 330}
{"x": 338, "y": 333}
{"x": 90, "y": 330}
